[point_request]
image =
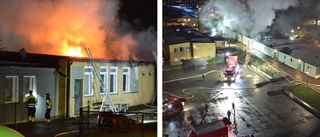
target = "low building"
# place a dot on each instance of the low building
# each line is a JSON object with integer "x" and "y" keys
{"x": 185, "y": 43}
{"x": 295, "y": 54}
{"x": 71, "y": 83}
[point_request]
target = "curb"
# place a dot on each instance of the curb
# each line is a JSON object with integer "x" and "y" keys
{"x": 302, "y": 103}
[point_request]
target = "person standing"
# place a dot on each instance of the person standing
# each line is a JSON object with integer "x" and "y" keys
{"x": 206, "y": 108}
{"x": 228, "y": 113}
{"x": 31, "y": 106}
{"x": 48, "y": 109}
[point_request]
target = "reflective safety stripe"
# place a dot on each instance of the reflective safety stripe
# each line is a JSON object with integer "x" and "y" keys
{"x": 31, "y": 105}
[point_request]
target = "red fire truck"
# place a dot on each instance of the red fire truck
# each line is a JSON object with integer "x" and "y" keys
{"x": 231, "y": 69}
{"x": 216, "y": 128}
{"x": 171, "y": 109}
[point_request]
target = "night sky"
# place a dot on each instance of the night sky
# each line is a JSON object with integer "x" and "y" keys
{"x": 140, "y": 13}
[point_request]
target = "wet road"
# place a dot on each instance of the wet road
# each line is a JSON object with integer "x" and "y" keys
{"x": 256, "y": 111}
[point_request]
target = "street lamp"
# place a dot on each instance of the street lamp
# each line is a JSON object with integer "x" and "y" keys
{"x": 307, "y": 77}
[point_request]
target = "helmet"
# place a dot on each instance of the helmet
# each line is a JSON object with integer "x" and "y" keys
{"x": 47, "y": 95}
{"x": 30, "y": 91}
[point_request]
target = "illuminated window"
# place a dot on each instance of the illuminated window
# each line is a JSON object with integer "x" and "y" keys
{"x": 176, "y": 60}
{"x": 126, "y": 79}
{"x": 88, "y": 81}
{"x": 11, "y": 93}
{"x": 104, "y": 79}
{"x": 29, "y": 84}
{"x": 187, "y": 48}
{"x": 113, "y": 80}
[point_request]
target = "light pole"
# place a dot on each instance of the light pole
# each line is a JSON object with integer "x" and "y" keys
{"x": 307, "y": 77}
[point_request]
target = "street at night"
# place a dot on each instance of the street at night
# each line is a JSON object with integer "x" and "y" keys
{"x": 256, "y": 112}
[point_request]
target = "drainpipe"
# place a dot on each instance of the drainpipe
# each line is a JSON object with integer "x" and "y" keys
{"x": 69, "y": 63}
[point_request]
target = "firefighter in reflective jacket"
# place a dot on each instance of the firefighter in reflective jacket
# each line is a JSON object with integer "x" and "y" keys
{"x": 48, "y": 109}
{"x": 31, "y": 106}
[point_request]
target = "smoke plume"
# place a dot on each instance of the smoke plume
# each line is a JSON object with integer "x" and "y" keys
{"x": 58, "y": 26}
{"x": 248, "y": 17}
{"x": 302, "y": 16}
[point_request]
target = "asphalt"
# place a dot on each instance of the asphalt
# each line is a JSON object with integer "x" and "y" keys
{"x": 69, "y": 127}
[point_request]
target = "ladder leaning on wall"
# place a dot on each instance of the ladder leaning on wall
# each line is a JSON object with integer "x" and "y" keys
{"x": 106, "y": 95}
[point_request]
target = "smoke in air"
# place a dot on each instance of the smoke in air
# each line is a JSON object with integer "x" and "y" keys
{"x": 66, "y": 27}
{"x": 248, "y": 17}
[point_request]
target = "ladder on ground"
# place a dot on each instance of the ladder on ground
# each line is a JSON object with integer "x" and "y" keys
{"x": 102, "y": 86}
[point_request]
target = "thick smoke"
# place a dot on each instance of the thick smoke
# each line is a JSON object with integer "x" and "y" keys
{"x": 302, "y": 16}
{"x": 53, "y": 26}
{"x": 248, "y": 17}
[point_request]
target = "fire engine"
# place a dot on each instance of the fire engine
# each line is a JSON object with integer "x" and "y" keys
{"x": 231, "y": 69}
{"x": 171, "y": 109}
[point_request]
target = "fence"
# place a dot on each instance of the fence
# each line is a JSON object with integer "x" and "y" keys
{"x": 117, "y": 121}
{"x": 84, "y": 120}
{"x": 267, "y": 70}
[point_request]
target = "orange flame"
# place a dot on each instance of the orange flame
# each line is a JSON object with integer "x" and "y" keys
{"x": 74, "y": 52}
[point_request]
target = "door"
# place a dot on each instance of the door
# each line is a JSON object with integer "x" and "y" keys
{"x": 77, "y": 95}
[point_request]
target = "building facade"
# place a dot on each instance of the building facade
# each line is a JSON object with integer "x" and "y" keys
{"x": 71, "y": 84}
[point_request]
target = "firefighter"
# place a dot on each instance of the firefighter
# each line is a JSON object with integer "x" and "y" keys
{"x": 31, "y": 106}
{"x": 206, "y": 107}
{"x": 48, "y": 109}
{"x": 229, "y": 113}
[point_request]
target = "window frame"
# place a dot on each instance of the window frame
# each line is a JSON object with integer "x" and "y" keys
{"x": 14, "y": 89}
{"x": 115, "y": 79}
{"x": 104, "y": 79}
{"x": 126, "y": 82}
{"x": 90, "y": 81}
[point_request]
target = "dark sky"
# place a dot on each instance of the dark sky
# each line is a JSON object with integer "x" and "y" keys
{"x": 140, "y": 13}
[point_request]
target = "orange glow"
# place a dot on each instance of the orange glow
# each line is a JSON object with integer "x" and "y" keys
{"x": 74, "y": 52}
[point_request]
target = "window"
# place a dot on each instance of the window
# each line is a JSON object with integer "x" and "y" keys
{"x": 126, "y": 79}
{"x": 175, "y": 50}
{"x": 181, "y": 49}
{"x": 176, "y": 60}
{"x": 113, "y": 80}
{"x": 104, "y": 79}
{"x": 11, "y": 89}
{"x": 187, "y": 48}
{"x": 88, "y": 81}
{"x": 135, "y": 82}
{"x": 284, "y": 56}
{"x": 196, "y": 48}
{"x": 29, "y": 84}
{"x": 290, "y": 59}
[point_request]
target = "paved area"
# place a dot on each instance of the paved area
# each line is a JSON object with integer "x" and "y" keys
{"x": 63, "y": 127}
{"x": 291, "y": 119}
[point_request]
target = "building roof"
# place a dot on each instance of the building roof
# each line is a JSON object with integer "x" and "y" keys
{"x": 181, "y": 34}
{"x": 9, "y": 58}
{"x": 297, "y": 49}
{"x": 170, "y": 13}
